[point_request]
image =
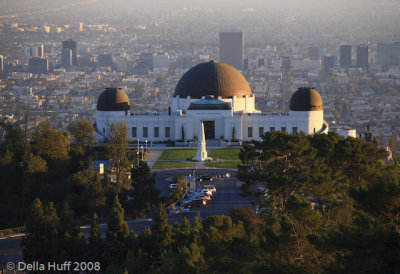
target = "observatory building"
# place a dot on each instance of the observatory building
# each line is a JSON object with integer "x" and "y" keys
{"x": 219, "y": 96}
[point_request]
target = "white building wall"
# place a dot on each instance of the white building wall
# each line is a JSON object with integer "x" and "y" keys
{"x": 309, "y": 122}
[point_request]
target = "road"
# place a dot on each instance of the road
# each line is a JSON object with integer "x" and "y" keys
{"x": 226, "y": 196}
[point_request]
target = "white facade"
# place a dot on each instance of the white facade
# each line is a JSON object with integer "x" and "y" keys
{"x": 248, "y": 123}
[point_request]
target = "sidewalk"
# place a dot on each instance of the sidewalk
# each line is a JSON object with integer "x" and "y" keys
{"x": 154, "y": 154}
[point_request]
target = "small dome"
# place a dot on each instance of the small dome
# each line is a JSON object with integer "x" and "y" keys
{"x": 113, "y": 99}
{"x": 212, "y": 78}
{"x": 306, "y": 99}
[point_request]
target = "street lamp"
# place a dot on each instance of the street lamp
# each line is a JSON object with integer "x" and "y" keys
{"x": 146, "y": 145}
{"x": 137, "y": 154}
{"x": 142, "y": 152}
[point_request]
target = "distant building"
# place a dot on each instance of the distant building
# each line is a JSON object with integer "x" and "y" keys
{"x": 246, "y": 63}
{"x": 147, "y": 58}
{"x": 34, "y": 51}
{"x": 345, "y": 132}
{"x": 69, "y": 53}
{"x": 261, "y": 63}
{"x": 81, "y": 28}
{"x": 160, "y": 62}
{"x": 286, "y": 63}
{"x": 362, "y": 56}
{"x": 345, "y": 56}
{"x": 140, "y": 68}
{"x": 388, "y": 55}
{"x": 313, "y": 53}
{"x": 87, "y": 61}
{"x": 1, "y": 63}
{"x": 105, "y": 60}
{"x": 328, "y": 63}
{"x": 231, "y": 48}
{"x": 38, "y": 65}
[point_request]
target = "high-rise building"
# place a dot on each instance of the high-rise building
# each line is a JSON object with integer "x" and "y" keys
{"x": 40, "y": 50}
{"x": 38, "y": 65}
{"x": 328, "y": 63}
{"x": 231, "y": 48}
{"x": 105, "y": 60}
{"x": 286, "y": 63}
{"x": 261, "y": 62}
{"x": 1, "y": 63}
{"x": 246, "y": 63}
{"x": 313, "y": 53}
{"x": 160, "y": 62}
{"x": 388, "y": 54}
{"x": 69, "y": 53}
{"x": 345, "y": 56}
{"x": 147, "y": 59}
{"x": 362, "y": 56}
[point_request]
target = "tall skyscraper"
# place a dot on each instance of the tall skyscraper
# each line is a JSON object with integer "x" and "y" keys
{"x": 69, "y": 53}
{"x": 313, "y": 53}
{"x": 328, "y": 63}
{"x": 147, "y": 58}
{"x": 286, "y": 63}
{"x": 388, "y": 54}
{"x": 105, "y": 60}
{"x": 231, "y": 48}
{"x": 362, "y": 56}
{"x": 345, "y": 56}
{"x": 38, "y": 65}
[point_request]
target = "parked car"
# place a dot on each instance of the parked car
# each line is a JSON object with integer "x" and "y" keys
{"x": 172, "y": 186}
{"x": 210, "y": 188}
{"x": 204, "y": 196}
{"x": 204, "y": 178}
{"x": 196, "y": 203}
{"x": 205, "y": 191}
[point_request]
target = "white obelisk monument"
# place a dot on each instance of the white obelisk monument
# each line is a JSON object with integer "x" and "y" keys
{"x": 201, "y": 148}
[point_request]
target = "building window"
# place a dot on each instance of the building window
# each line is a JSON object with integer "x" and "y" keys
{"x": 294, "y": 129}
{"x": 167, "y": 132}
{"x": 260, "y": 132}
{"x": 272, "y": 129}
{"x": 134, "y": 132}
{"x": 250, "y": 132}
{"x": 145, "y": 132}
{"x": 283, "y": 129}
{"x": 156, "y": 132}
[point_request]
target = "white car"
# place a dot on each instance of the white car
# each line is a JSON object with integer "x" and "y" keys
{"x": 210, "y": 188}
{"x": 205, "y": 191}
{"x": 172, "y": 186}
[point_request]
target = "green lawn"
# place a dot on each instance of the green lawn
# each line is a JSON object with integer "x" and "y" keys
{"x": 162, "y": 165}
{"x": 177, "y": 154}
{"x": 226, "y": 154}
{"x": 228, "y": 164}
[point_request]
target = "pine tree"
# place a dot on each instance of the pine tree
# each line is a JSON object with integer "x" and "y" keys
{"x": 71, "y": 241}
{"x": 144, "y": 192}
{"x": 161, "y": 235}
{"x": 95, "y": 247}
{"x": 41, "y": 242}
{"x": 117, "y": 233}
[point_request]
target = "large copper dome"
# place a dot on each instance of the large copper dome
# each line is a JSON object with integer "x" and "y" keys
{"x": 212, "y": 78}
{"x": 113, "y": 99}
{"x": 306, "y": 99}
